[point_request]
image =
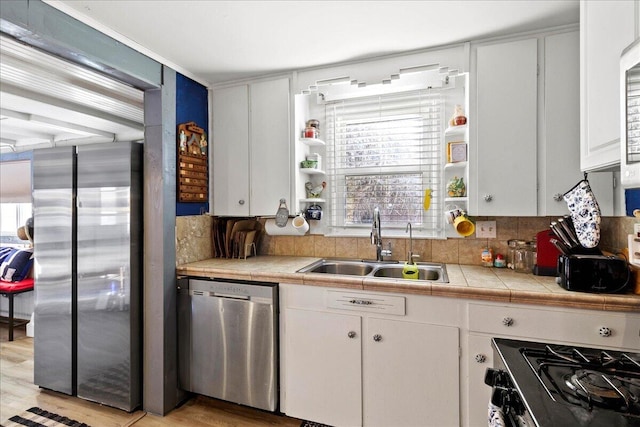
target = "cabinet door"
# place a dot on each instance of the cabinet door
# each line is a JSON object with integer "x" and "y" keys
{"x": 506, "y": 130}
{"x": 606, "y": 28}
{"x": 560, "y": 166}
{"x": 323, "y": 374}
{"x": 270, "y": 146}
{"x": 411, "y": 374}
{"x": 231, "y": 151}
{"x": 479, "y": 358}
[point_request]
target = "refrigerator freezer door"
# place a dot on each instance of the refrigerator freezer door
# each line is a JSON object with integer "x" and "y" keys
{"x": 53, "y": 177}
{"x": 108, "y": 256}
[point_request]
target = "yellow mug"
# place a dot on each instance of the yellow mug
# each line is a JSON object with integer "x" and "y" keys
{"x": 464, "y": 226}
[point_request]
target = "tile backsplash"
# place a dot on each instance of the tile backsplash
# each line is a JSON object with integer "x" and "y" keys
{"x": 193, "y": 241}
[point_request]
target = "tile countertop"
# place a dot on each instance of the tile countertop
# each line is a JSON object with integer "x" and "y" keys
{"x": 465, "y": 281}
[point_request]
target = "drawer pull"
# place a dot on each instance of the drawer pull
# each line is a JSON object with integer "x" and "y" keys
{"x": 507, "y": 321}
{"x": 481, "y": 358}
{"x": 377, "y": 337}
{"x": 605, "y": 332}
{"x": 351, "y": 334}
{"x": 361, "y": 302}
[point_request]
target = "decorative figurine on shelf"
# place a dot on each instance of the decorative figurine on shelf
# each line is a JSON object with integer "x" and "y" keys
{"x": 456, "y": 187}
{"x": 203, "y": 144}
{"x": 314, "y": 192}
{"x": 458, "y": 118}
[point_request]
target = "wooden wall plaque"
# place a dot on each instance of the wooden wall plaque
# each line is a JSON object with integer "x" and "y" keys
{"x": 193, "y": 164}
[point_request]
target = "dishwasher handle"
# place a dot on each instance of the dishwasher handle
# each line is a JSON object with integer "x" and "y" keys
{"x": 219, "y": 295}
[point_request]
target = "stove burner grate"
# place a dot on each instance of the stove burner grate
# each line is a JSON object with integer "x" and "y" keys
{"x": 588, "y": 378}
{"x": 597, "y": 389}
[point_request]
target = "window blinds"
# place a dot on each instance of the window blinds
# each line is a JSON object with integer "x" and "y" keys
{"x": 385, "y": 151}
{"x": 633, "y": 116}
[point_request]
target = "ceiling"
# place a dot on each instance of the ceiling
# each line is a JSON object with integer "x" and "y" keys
{"x": 217, "y": 41}
{"x": 46, "y": 101}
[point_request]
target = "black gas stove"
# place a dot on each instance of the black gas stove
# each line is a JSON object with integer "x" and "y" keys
{"x": 543, "y": 385}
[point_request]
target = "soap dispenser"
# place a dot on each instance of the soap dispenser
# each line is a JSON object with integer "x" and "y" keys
{"x": 410, "y": 269}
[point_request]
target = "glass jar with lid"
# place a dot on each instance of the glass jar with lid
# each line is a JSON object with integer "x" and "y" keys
{"x": 524, "y": 256}
{"x": 512, "y": 244}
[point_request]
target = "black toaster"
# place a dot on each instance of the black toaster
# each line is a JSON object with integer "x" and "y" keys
{"x": 593, "y": 273}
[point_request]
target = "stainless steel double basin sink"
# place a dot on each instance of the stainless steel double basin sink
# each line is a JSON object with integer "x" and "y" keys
{"x": 432, "y": 272}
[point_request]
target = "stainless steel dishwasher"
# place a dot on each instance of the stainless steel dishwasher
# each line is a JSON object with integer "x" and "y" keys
{"x": 227, "y": 340}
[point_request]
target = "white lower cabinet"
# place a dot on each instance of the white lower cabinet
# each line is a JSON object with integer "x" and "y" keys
{"x": 361, "y": 368}
{"x": 357, "y": 358}
{"x": 323, "y": 374}
{"x": 479, "y": 358}
{"x": 410, "y": 374}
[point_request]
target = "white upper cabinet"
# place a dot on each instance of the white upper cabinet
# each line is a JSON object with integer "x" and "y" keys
{"x": 503, "y": 151}
{"x": 559, "y": 168}
{"x": 251, "y": 148}
{"x": 527, "y": 153}
{"x": 270, "y": 146}
{"x": 231, "y": 151}
{"x": 606, "y": 28}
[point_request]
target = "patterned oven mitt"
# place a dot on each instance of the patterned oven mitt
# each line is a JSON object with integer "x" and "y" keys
{"x": 585, "y": 213}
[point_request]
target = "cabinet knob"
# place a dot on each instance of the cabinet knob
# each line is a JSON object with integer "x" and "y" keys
{"x": 488, "y": 197}
{"x": 377, "y": 337}
{"x": 558, "y": 197}
{"x": 507, "y": 321}
{"x": 481, "y": 358}
{"x": 241, "y": 202}
{"x": 605, "y": 332}
{"x": 351, "y": 334}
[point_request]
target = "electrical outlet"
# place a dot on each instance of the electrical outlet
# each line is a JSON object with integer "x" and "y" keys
{"x": 634, "y": 249}
{"x": 486, "y": 229}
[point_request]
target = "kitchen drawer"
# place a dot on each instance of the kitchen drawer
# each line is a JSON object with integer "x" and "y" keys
{"x": 370, "y": 303}
{"x": 590, "y": 328}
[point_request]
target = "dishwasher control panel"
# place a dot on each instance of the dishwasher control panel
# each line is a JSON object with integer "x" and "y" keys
{"x": 229, "y": 288}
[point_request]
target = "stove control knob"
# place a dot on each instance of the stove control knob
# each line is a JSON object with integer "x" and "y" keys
{"x": 481, "y": 358}
{"x": 507, "y": 321}
{"x": 604, "y": 332}
{"x": 496, "y": 378}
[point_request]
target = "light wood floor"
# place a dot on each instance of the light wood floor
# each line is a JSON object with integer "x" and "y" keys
{"x": 18, "y": 393}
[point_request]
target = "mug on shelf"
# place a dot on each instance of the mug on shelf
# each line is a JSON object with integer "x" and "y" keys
{"x": 458, "y": 219}
{"x": 452, "y": 213}
{"x": 464, "y": 226}
{"x": 300, "y": 224}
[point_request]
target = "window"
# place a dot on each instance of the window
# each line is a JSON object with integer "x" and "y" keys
{"x": 385, "y": 151}
{"x": 12, "y": 217}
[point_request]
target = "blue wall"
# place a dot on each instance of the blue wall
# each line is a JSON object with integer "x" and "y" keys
{"x": 632, "y": 200}
{"x": 192, "y": 106}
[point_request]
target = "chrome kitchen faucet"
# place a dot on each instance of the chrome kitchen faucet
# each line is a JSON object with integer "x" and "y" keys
{"x": 376, "y": 236}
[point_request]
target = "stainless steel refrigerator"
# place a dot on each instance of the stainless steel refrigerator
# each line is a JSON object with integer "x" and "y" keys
{"x": 88, "y": 272}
